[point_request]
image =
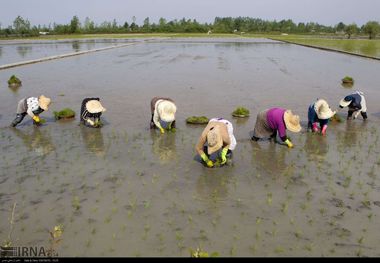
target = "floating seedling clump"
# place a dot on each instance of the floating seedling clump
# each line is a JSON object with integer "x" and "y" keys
{"x": 240, "y": 112}
{"x": 14, "y": 82}
{"x": 64, "y": 114}
{"x": 348, "y": 80}
{"x": 197, "y": 120}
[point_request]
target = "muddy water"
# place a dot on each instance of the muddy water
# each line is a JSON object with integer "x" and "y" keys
{"x": 126, "y": 191}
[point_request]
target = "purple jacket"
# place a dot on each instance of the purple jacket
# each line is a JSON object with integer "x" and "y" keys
{"x": 275, "y": 118}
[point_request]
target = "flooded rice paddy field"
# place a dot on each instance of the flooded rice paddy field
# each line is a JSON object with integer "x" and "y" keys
{"x": 124, "y": 190}
{"x": 15, "y": 51}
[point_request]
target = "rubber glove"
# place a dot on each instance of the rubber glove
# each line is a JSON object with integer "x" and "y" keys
{"x": 324, "y": 128}
{"x": 36, "y": 118}
{"x": 207, "y": 160}
{"x": 315, "y": 127}
{"x": 91, "y": 122}
{"x": 223, "y": 155}
{"x": 162, "y": 130}
{"x": 289, "y": 143}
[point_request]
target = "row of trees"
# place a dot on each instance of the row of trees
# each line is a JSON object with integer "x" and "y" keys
{"x": 22, "y": 27}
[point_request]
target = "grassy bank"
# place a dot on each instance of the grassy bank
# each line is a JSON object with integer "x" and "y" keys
{"x": 364, "y": 47}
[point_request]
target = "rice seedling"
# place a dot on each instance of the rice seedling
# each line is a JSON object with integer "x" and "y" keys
{"x": 76, "y": 203}
{"x": 253, "y": 249}
{"x": 279, "y": 250}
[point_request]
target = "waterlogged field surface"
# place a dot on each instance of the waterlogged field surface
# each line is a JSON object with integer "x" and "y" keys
{"x": 124, "y": 190}
{"x": 16, "y": 51}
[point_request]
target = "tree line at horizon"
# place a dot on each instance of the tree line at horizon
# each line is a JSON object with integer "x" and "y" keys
{"x": 22, "y": 27}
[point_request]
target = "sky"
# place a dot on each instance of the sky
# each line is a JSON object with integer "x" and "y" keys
{"x": 325, "y": 12}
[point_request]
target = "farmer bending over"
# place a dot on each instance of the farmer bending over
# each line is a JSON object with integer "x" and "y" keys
{"x": 218, "y": 140}
{"x": 33, "y": 107}
{"x": 319, "y": 113}
{"x": 356, "y": 104}
{"x": 90, "y": 112}
{"x": 163, "y": 113}
{"x": 274, "y": 120}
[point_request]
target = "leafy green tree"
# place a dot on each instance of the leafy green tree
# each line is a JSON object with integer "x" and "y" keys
{"x": 21, "y": 25}
{"x": 74, "y": 25}
{"x": 146, "y": 26}
{"x": 126, "y": 26}
{"x": 350, "y": 30}
{"x": 340, "y": 27}
{"x": 114, "y": 25}
{"x": 372, "y": 28}
{"x": 89, "y": 26}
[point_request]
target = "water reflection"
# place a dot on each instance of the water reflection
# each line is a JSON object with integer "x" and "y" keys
{"x": 76, "y": 46}
{"x": 164, "y": 146}
{"x": 269, "y": 157}
{"x": 38, "y": 141}
{"x": 93, "y": 140}
{"x": 24, "y": 50}
{"x": 90, "y": 44}
{"x": 316, "y": 146}
{"x": 349, "y": 137}
{"x": 213, "y": 187}
{"x": 347, "y": 85}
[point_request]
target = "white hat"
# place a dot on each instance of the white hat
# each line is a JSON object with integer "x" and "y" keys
{"x": 292, "y": 121}
{"x": 44, "y": 102}
{"x": 345, "y": 102}
{"x": 214, "y": 140}
{"x": 166, "y": 110}
{"x": 94, "y": 106}
{"x": 323, "y": 110}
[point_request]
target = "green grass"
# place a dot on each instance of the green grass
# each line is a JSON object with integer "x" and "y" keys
{"x": 357, "y": 46}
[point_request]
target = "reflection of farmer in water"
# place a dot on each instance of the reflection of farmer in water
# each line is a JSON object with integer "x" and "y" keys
{"x": 274, "y": 120}
{"x": 164, "y": 147}
{"x": 319, "y": 113}
{"x": 217, "y": 142}
{"x": 163, "y": 113}
{"x": 37, "y": 141}
{"x": 93, "y": 139}
{"x": 31, "y": 106}
{"x": 90, "y": 112}
{"x": 356, "y": 105}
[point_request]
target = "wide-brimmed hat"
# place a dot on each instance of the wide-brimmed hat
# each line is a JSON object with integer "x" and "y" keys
{"x": 44, "y": 102}
{"x": 214, "y": 140}
{"x": 345, "y": 101}
{"x": 323, "y": 110}
{"x": 94, "y": 106}
{"x": 292, "y": 121}
{"x": 166, "y": 109}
